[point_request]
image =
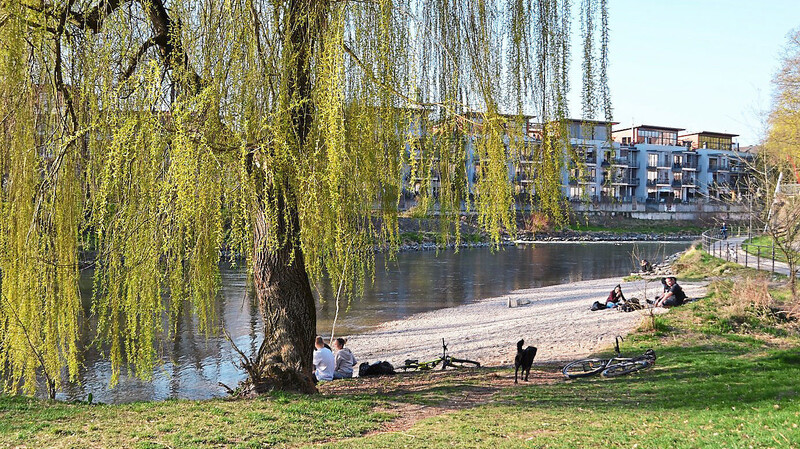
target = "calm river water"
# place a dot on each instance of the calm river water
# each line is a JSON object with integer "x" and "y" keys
{"x": 192, "y": 365}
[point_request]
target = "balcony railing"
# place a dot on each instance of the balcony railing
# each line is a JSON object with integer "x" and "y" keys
{"x": 663, "y": 182}
{"x": 690, "y": 165}
{"x": 676, "y": 183}
{"x": 677, "y": 167}
{"x": 626, "y": 180}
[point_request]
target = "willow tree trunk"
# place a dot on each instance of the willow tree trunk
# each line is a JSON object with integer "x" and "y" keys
{"x": 280, "y": 278}
{"x": 288, "y": 309}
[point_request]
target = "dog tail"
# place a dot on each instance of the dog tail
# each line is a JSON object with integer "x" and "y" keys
{"x": 519, "y": 345}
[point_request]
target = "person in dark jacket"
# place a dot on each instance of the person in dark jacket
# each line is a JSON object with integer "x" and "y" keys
{"x": 674, "y": 297}
{"x": 615, "y": 298}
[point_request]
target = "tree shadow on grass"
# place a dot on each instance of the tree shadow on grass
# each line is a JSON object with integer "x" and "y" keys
{"x": 694, "y": 378}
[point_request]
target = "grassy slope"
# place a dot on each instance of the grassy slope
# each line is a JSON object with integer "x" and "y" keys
{"x": 721, "y": 381}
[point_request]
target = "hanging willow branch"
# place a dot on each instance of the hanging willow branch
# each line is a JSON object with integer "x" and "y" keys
{"x": 156, "y": 137}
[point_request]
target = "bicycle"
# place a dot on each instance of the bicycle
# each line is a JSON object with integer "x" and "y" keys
{"x": 615, "y": 366}
{"x": 445, "y": 360}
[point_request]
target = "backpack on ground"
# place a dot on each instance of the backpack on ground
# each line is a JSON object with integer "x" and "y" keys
{"x": 631, "y": 305}
{"x": 378, "y": 368}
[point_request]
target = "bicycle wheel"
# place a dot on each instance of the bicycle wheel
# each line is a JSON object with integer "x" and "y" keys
{"x": 584, "y": 368}
{"x": 463, "y": 363}
{"x": 626, "y": 367}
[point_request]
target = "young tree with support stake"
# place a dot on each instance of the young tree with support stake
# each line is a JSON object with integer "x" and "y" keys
{"x": 143, "y": 137}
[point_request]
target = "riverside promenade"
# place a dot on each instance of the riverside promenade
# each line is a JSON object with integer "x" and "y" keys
{"x": 731, "y": 250}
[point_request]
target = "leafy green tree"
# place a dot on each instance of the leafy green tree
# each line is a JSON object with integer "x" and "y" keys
{"x": 777, "y": 176}
{"x": 144, "y": 137}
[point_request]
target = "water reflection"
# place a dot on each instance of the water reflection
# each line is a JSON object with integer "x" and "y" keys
{"x": 193, "y": 365}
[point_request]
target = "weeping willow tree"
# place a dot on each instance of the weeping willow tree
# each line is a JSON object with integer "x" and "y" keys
{"x": 144, "y": 138}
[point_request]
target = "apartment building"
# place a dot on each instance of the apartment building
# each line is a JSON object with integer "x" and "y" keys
{"x": 644, "y": 165}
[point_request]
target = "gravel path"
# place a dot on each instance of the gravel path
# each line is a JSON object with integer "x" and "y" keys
{"x": 555, "y": 319}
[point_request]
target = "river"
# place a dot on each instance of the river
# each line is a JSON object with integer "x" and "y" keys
{"x": 193, "y": 365}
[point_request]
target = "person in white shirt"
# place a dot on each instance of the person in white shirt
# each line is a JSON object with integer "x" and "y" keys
{"x": 345, "y": 360}
{"x": 323, "y": 361}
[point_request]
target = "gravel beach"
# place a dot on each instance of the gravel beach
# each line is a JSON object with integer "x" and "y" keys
{"x": 555, "y": 319}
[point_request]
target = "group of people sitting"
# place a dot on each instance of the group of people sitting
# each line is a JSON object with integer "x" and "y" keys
{"x": 672, "y": 295}
{"x": 328, "y": 366}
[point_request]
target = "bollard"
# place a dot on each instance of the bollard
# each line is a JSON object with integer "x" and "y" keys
{"x": 758, "y": 259}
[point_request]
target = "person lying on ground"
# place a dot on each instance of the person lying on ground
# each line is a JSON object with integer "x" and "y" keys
{"x": 674, "y": 297}
{"x": 345, "y": 360}
{"x": 323, "y": 361}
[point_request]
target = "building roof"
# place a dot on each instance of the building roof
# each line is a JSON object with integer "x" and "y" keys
{"x": 661, "y": 128}
{"x": 598, "y": 122}
{"x": 709, "y": 133}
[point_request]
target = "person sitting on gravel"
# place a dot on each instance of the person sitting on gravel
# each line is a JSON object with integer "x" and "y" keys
{"x": 345, "y": 360}
{"x": 323, "y": 361}
{"x": 615, "y": 298}
{"x": 664, "y": 290}
{"x": 674, "y": 297}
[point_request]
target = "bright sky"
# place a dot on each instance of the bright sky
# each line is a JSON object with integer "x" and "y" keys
{"x": 703, "y": 65}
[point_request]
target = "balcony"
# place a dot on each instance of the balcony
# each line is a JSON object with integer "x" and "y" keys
{"x": 625, "y": 180}
{"x": 690, "y": 165}
{"x": 689, "y": 182}
{"x": 677, "y": 184}
{"x": 590, "y": 160}
{"x": 677, "y": 167}
{"x": 621, "y": 161}
{"x": 651, "y": 183}
{"x": 663, "y": 182}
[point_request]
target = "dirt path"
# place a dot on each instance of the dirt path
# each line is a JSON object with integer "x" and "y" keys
{"x": 434, "y": 392}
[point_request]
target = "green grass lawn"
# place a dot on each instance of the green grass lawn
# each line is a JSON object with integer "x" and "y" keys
{"x": 765, "y": 242}
{"x": 726, "y": 377}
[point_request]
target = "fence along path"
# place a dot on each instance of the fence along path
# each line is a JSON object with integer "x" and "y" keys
{"x": 732, "y": 250}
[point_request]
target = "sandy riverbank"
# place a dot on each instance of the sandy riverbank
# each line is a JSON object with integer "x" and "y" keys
{"x": 556, "y": 319}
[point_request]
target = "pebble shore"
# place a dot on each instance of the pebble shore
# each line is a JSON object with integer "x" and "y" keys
{"x": 556, "y": 319}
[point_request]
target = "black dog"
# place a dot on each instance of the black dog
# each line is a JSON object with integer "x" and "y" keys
{"x": 523, "y": 360}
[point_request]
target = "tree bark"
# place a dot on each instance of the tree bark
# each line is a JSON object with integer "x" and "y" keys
{"x": 281, "y": 281}
{"x": 288, "y": 309}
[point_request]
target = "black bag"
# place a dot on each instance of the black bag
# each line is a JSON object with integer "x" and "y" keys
{"x": 378, "y": 368}
{"x": 631, "y": 305}
{"x": 597, "y": 306}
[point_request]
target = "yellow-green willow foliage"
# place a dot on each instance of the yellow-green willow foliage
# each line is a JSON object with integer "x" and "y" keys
{"x": 143, "y": 138}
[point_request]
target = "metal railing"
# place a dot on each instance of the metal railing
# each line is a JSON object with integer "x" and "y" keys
{"x": 714, "y": 244}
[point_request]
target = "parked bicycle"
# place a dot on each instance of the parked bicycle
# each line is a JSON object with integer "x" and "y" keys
{"x": 444, "y": 361}
{"x": 615, "y": 366}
